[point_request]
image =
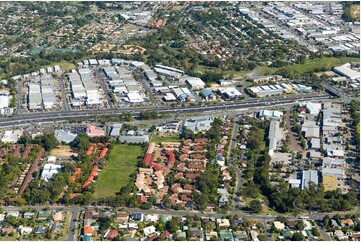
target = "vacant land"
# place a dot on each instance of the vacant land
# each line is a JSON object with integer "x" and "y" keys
{"x": 165, "y": 137}
{"x": 311, "y": 65}
{"x": 63, "y": 150}
{"x": 122, "y": 162}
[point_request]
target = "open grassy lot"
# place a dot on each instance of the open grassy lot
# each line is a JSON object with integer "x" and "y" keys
{"x": 311, "y": 65}
{"x": 122, "y": 162}
{"x": 165, "y": 137}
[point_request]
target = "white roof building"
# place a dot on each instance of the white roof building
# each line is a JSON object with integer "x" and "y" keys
{"x": 11, "y": 136}
{"x": 347, "y": 72}
{"x": 313, "y": 108}
{"x": 195, "y": 82}
{"x": 149, "y": 230}
{"x": 4, "y": 101}
{"x": 64, "y": 136}
{"x": 49, "y": 170}
{"x": 134, "y": 97}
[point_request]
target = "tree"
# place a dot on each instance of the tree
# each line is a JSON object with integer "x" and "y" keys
{"x": 256, "y": 206}
{"x": 300, "y": 225}
{"x": 297, "y": 236}
{"x": 172, "y": 225}
{"x": 315, "y": 232}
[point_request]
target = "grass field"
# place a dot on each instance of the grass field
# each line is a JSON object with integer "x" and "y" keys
{"x": 122, "y": 162}
{"x": 311, "y": 65}
{"x": 166, "y": 137}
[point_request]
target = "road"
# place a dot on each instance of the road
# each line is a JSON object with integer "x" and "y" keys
{"x": 76, "y": 209}
{"x": 71, "y": 229}
{"x": 106, "y": 92}
{"x": 25, "y": 119}
{"x": 19, "y": 97}
{"x": 140, "y": 77}
{"x": 325, "y": 236}
{"x": 63, "y": 92}
{"x": 230, "y": 158}
{"x": 343, "y": 96}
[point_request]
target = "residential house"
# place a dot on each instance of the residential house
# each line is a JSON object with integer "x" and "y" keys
{"x": 110, "y": 234}
{"x": 40, "y": 230}
{"x": 223, "y": 223}
{"x": 123, "y": 217}
{"x": 149, "y": 230}
{"x": 25, "y": 230}
{"x": 58, "y": 217}
{"x": 88, "y": 230}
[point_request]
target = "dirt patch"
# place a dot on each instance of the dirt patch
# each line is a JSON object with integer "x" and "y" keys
{"x": 355, "y": 11}
{"x": 63, "y": 150}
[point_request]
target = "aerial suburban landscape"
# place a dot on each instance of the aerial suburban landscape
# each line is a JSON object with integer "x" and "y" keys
{"x": 163, "y": 121}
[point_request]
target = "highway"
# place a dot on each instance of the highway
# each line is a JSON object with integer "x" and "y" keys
{"x": 25, "y": 119}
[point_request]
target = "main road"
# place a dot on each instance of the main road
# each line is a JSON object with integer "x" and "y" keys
{"x": 25, "y": 119}
{"x": 76, "y": 209}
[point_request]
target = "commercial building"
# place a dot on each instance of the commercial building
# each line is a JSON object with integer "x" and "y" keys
{"x": 4, "y": 99}
{"x": 92, "y": 93}
{"x": 274, "y": 136}
{"x": 309, "y": 176}
{"x": 47, "y": 91}
{"x": 315, "y": 143}
{"x": 183, "y": 94}
{"x": 49, "y": 170}
{"x": 270, "y": 114}
{"x": 169, "y": 97}
{"x": 347, "y": 72}
{"x": 35, "y": 99}
{"x": 93, "y": 131}
{"x": 229, "y": 92}
{"x": 265, "y": 79}
{"x": 195, "y": 82}
{"x": 169, "y": 69}
{"x": 11, "y": 136}
{"x": 134, "y": 97}
{"x": 198, "y": 124}
{"x": 132, "y": 136}
{"x": 313, "y": 108}
{"x": 77, "y": 88}
{"x": 64, "y": 136}
{"x": 115, "y": 130}
{"x": 269, "y": 90}
{"x": 207, "y": 94}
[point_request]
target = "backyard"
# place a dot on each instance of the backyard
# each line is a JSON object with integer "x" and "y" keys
{"x": 122, "y": 162}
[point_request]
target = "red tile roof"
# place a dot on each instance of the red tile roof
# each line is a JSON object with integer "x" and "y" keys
{"x": 171, "y": 157}
{"x": 88, "y": 229}
{"x": 110, "y": 235}
{"x": 148, "y": 159}
{"x": 103, "y": 153}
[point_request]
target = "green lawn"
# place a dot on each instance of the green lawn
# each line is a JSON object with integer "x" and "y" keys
{"x": 311, "y": 65}
{"x": 122, "y": 162}
{"x": 168, "y": 137}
